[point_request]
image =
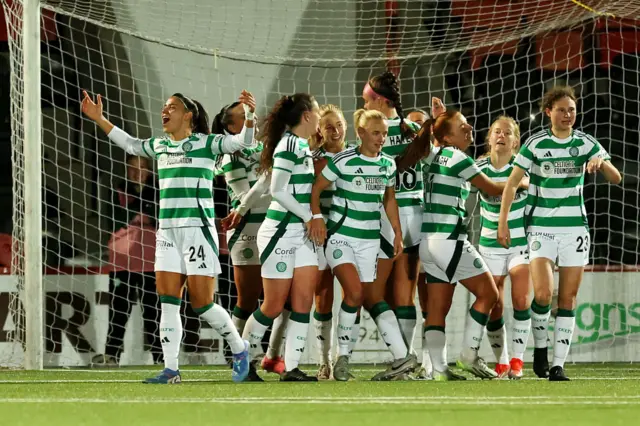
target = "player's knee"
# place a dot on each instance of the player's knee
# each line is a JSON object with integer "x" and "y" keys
{"x": 271, "y": 309}
{"x": 200, "y": 301}
{"x": 489, "y": 295}
{"x": 324, "y": 303}
{"x": 567, "y": 301}
{"x": 543, "y": 297}
{"x": 520, "y": 303}
{"x": 354, "y": 297}
{"x": 498, "y": 309}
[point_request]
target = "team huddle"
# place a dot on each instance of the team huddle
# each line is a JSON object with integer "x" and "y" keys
{"x": 385, "y": 215}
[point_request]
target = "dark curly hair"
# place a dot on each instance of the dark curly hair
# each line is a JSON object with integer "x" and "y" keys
{"x": 287, "y": 112}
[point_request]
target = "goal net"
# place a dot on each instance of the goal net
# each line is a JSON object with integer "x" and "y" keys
{"x": 485, "y": 58}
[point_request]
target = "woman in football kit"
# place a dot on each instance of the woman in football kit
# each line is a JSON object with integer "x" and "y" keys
{"x": 186, "y": 246}
{"x": 503, "y": 142}
{"x": 445, "y": 252}
{"x": 289, "y": 260}
{"x": 364, "y": 179}
{"x": 239, "y": 171}
{"x": 382, "y": 93}
{"x": 419, "y": 117}
{"x": 329, "y": 141}
{"x": 557, "y": 229}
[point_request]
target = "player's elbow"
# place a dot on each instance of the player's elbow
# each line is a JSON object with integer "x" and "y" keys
{"x": 616, "y": 179}
{"x": 278, "y": 195}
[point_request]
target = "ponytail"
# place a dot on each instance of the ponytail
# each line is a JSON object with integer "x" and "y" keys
{"x": 200, "y": 120}
{"x": 286, "y": 113}
{"x": 420, "y": 146}
{"x": 221, "y": 121}
{"x": 387, "y": 86}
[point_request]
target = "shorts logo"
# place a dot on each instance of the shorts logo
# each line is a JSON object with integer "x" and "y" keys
{"x": 247, "y": 253}
{"x": 535, "y": 246}
{"x": 573, "y": 151}
{"x": 281, "y": 267}
{"x": 477, "y": 263}
{"x": 337, "y": 254}
{"x": 186, "y": 147}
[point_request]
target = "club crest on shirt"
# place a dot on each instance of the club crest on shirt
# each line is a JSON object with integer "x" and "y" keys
{"x": 574, "y": 151}
{"x": 187, "y": 146}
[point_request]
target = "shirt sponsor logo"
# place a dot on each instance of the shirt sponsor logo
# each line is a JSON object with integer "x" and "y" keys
{"x": 561, "y": 167}
{"x": 171, "y": 159}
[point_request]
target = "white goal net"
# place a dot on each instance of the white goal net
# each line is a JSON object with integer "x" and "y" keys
{"x": 484, "y": 57}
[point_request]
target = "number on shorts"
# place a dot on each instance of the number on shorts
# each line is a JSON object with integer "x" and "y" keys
{"x": 200, "y": 255}
{"x": 583, "y": 244}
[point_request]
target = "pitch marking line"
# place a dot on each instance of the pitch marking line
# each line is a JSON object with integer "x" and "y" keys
{"x": 595, "y": 400}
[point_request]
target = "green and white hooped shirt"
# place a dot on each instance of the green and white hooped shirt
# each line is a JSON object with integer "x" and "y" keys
{"x": 292, "y": 155}
{"x": 186, "y": 173}
{"x": 361, "y": 182}
{"x": 409, "y": 185}
{"x": 240, "y": 173}
{"x": 327, "y": 194}
{"x": 447, "y": 172}
{"x": 555, "y": 203}
{"x": 490, "y": 211}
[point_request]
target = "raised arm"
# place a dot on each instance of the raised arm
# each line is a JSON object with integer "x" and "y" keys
{"x": 131, "y": 145}
{"x": 228, "y": 144}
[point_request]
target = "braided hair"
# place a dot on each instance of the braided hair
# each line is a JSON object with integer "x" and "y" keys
{"x": 387, "y": 85}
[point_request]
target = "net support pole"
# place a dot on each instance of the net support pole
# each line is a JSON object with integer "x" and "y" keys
{"x": 32, "y": 297}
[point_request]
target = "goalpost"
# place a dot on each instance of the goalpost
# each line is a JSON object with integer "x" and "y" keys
{"x": 484, "y": 57}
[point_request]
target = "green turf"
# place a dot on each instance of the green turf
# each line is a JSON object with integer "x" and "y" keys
{"x": 600, "y": 394}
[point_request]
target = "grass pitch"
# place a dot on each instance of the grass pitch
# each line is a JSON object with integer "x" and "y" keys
{"x": 599, "y": 394}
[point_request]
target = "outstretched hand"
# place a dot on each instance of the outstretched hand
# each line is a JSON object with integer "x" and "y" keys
{"x": 247, "y": 99}
{"x": 437, "y": 107}
{"x": 91, "y": 109}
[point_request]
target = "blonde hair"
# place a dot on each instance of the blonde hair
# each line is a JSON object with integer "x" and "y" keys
{"x": 315, "y": 140}
{"x": 516, "y": 133}
{"x": 362, "y": 116}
